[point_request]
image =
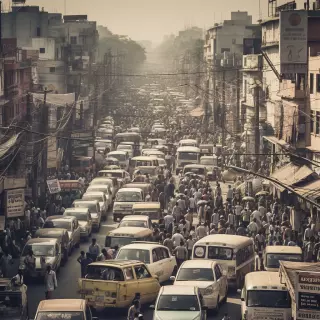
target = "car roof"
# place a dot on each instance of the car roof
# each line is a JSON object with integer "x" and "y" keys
{"x": 283, "y": 249}
{"x": 80, "y": 210}
{"x": 62, "y": 305}
{"x": 146, "y": 205}
{"x": 117, "y": 152}
{"x": 194, "y": 166}
{"x": 86, "y": 201}
{"x": 112, "y": 170}
{"x": 227, "y": 240}
{"x": 181, "y": 290}
{"x": 188, "y": 149}
{"x": 45, "y": 241}
{"x": 50, "y": 231}
{"x": 131, "y": 231}
{"x": 93, "y": 186}
{"x": 116, "y": 263}
{"x": 135, "y": 217}
{"x": 143, "y": 158}
{"x": 263, "y": 280}
{"x": 199, "y": 263}
{"x": 96, "y": 193}
{"x": 142, "y": 245}
{"x": 188, "y": 140}
{"x": 130, "y": 189}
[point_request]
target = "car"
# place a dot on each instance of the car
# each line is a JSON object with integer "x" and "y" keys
{"x": 84, "y": 218}
{"x": 94, "y": 207}
{"x": 179, "y": 302}
{"x": 102, "y": 188}
{"x": 156, "y": 256}
{"x": 115, "y": 283}
{"x": 110, "y": 181}
{"x": 94, "y": 194}
{"x": 208, "y": 276}
{"x": 64, "y": 309}
{"x": 122, "y": 176}
{"x": 46, "y": 251}
{"x": 60, "y": 234}
{"x": 69, "y": 223}
{"x": 136, "y": 221}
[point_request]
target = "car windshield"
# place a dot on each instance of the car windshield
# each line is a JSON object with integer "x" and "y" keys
{"x": 91, "y": 206}
{"x": 57, "y": 224}
{"x": 80, "y": 216}
{"x": 220, "y": 253}
{"x": 97, "y": 181}
{"x": 195, "y": 274}
{"x": 60, "y": 315}
{"x": 95, "y": 272}
{"x": 123, "y": 147}
{"x": 196, "y": 170}
{"x": 128, "y": 196}
{"x": 209, "y": 162}
{"x": 39, "y": 250}
{"x": 10, "y": 306}
{"x": 145, "y": 163}
{"x": 188, "y": 156}
{"x": 112, "y": 174}
{"x": 92, "y": 197}
{"x": 273, "y": 259}
{"x": 112, "y": 241}
{"x": 268, "y": 299}
{"x": 178, "y": 303}
{"x": 120, "y": 157}
{"x": 95, "y": 188}
{"x": 151, "y": 214}
{"x": 134, "y": 254}
{"x": 133, "y": 223}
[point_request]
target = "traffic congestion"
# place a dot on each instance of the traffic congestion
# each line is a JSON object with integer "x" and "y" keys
{"x": 153, "y": 226}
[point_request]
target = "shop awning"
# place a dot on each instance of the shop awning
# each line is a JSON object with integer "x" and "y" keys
{"x": 310, "y": 190}
{"x": 291, "y": 174}
{"x": 275, "y": 140}
{"x": 197, "y": 112}
{"x": 6, "y": 146}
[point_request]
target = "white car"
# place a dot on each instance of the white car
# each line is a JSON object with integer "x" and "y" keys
{"x": 208, "y": 276}
{"x": 139, "y": 221}
{"x": 179, "y": 302}
{"x": 157, "y": 257}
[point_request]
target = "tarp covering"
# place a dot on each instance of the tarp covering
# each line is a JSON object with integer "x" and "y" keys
{"x": 291, "y": 174}
{"x": 6, "y": 146}
{"x": 197, "y": 112}
{"x": 310, "y": 190}
{"x": 56, "y": 99}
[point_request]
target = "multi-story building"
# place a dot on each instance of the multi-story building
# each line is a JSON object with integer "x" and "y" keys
{"x": 223, "y": 51}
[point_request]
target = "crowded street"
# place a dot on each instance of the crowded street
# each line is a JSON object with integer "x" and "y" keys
{"x": 159, "y": 180}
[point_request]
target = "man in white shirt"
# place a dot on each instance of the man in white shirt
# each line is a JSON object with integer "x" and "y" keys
{"x": 168, "y": 219}
{"x": 237, "y": 210}
{"x": 177, "y": 238}
{"x": 192, "y": 204}
{"x": 201, "y": 231}
{"x": 229, "y": 194}
{"x": 253, "y": 227}
{"x": 50, "y": 282}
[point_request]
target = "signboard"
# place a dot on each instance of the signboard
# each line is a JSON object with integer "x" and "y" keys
{"x": 15, "y": 203}
{"x": 70, "y": 185}
{"x": 267, "y": 314}
{"x": 293, "y": 41}
{"x": 308, "y": 295}
{"x": 53, "y": 186}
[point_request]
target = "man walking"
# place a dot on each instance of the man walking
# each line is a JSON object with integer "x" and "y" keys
{"x": 50, "y": 281}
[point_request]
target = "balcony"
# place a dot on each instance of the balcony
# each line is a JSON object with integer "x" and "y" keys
{"x": 289, "y": 89}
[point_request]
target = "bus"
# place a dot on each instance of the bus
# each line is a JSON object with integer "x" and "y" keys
{"x": 129, "y": 137}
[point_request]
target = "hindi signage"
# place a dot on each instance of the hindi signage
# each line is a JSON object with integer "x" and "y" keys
{"x": 293, "y": 41}
{"x": 53, "y": 186}
{"x": 15, "y": 203}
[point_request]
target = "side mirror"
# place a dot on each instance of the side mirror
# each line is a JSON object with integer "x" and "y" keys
{"x": 152, "y": 306}
{"x": 172, "y": 278}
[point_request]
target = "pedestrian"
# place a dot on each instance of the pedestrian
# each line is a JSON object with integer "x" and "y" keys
{"x": 17, "y": 280}
{"x": 94, "y": 249}
{"x": 50, "y": 281}
{"x": 5, "y": 263}
{"x": 133, "y": 310}
{"x": 229, "y": 194}
{"x": 168, "y": 242}
{"x": 177, "y": 238}
{"x": 181, "y": 253}
{"x": 84, "y": 261}
{"x": 190, "y": 244}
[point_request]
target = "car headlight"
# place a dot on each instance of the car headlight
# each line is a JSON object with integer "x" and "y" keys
{"x": 208, "y": 291}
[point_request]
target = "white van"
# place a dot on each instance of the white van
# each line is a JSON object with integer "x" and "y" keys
{"x": 122, "y": 156}
{"x": 188, "y": 143}
{"x": 186, "y": 155}
{"x": 264, "y": 297}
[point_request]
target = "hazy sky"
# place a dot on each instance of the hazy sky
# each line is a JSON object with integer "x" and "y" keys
{"x": 152, "y": 19}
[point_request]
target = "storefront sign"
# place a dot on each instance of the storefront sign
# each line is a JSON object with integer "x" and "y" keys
{"x": 15, "y": 203}
{"x": 53, "y": 186}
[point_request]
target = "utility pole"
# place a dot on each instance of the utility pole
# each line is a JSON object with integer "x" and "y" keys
{"x": 223, "y": 113}
{"x": 237, "y": 117}
{"x": 1, "y": 49}
{"x": 95, "y": 111}
{"x": 256, "y": 127}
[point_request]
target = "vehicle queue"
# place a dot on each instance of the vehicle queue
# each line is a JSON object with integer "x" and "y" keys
{"x": 140, "y": 263}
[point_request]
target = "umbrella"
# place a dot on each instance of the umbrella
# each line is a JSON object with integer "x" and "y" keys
{"x": 201, "y": 202}
{"x": 262, "y": 193}
{"x": 248, "y": 198}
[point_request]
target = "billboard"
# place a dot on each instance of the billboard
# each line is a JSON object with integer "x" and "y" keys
{"x": 15, "y": 203}
{"x": 293, "y": 41}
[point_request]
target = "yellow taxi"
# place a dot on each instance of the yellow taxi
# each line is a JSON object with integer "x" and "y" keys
{"x": 115, "y": 283}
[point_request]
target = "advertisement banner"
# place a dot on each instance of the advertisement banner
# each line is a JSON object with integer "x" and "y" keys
{"x": 293, "y": 41}
{"x": 53, "y": 186}
{"x": 266, "y": 314}
{"x": 15, "y": 203}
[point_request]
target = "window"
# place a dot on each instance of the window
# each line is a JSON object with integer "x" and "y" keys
{"x": 165, "y": 253}
{"x": 57, "y": 249}
{"x": 52, "y": 69}
{"x": 317, "y": 122}
{"x": 142, "y": 272}
{"x": 42, "y": 50}
{"x": 128, "y": 274}
{"x": 155, "y": 257}
{"x": 311, "y": 84}
{"x": 38, "y": 32}
{"x": 312, "y": 121}
{"x": 160, "y": 253}
{"x": 73, "y": 40}
{"x": 217, "y": 272}
{"x": 88, "y": 313}
{"x": 318, "y": 83}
